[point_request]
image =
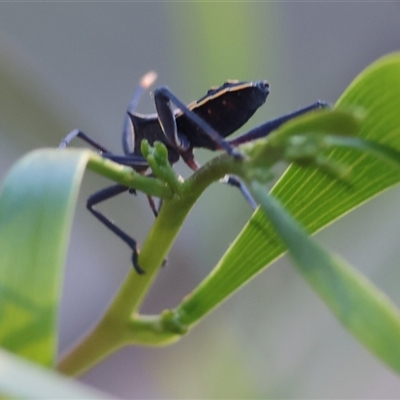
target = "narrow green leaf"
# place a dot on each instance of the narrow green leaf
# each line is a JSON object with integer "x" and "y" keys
{"x": 365, "y": 311}
{"x": 36, "y": 209}
{"x": 312, "y": 197}
{"x": 36, "y": 206}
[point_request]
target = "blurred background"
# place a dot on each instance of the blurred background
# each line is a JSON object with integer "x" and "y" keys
{"x": 66, "y": 65}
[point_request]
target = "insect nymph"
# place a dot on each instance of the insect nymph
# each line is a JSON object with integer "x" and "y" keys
{"x": 204, "y": 123}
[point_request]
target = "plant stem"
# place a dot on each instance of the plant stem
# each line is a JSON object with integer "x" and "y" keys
{"x": 120, "y": 324}
{"x": 127, "y": 176}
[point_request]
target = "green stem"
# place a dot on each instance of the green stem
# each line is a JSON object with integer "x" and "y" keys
{"x": 127, "y": 176}
{"x": 120, "y": 324}
{"x": 94, "y": 347}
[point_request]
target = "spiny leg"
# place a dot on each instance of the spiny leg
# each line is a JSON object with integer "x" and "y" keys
{"x": 163, "y": 98}
{"x": 269, "y": 126}
{"x": 106, "y": 194}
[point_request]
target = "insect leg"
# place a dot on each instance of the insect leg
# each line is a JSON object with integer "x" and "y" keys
{"x": 267, "y": 127}
{"x": 132, "y": 160}
{"x": 230, "y": 180}
{"x": 77, "y": 133}
{"x": 233, "y": 181}
{"x": 153, "y": 206}
{"x": 163, "y": 98}
{"x": 106, "y": 194}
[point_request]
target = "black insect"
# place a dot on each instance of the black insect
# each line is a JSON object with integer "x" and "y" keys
{"x": 203, "y": 123}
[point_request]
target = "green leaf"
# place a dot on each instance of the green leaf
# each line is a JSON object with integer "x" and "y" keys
{"x": 361, "y": 307}
{"x": 36, "y": 209}
{"x": 312, "y": 197}
{"x": 24, "y": 380}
